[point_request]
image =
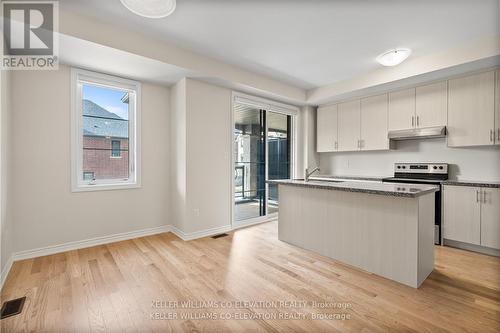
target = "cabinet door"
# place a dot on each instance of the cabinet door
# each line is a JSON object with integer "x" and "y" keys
{"x": 431, "y": 104}
{"x": 326, "y": 139}
{"x": 471, "y": 114}
{"x": 490, "y": 218}
{"x": 374, "y": 123}
{"x": 349, "y": 125}
{"x": 402, "y": 109}
{"x": 497, "y": 107}
{"x": 462, "y": 214}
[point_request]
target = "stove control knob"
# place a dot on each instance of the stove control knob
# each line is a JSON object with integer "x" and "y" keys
{"x": 434, "y": 167}
{"x": 404, "y": 167}
{"x": 441, "y": 167}
{"x": 399, "y": 166}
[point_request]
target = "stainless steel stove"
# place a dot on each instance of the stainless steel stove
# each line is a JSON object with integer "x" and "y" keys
{"x": 423, "y": 173}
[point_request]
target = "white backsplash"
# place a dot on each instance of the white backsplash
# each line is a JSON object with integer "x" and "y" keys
{"x": 478, "y": 163}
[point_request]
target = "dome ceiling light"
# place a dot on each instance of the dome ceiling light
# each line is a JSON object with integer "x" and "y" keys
{"x": 150, "y": 8}
{"x": 393, "y": 57}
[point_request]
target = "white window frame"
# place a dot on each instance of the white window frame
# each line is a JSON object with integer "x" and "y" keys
{"x": 78, "y": 78}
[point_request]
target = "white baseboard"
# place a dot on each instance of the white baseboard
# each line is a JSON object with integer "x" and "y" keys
{"x": 44, "y": 251}
{"x": 200, "y": 234}
{"x": 5, "y": 271}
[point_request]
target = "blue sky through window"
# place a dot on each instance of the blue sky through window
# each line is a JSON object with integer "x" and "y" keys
{"x": 109, "y": 99}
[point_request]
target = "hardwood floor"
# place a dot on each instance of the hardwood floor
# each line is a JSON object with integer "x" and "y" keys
{"x": 112, "y": 288}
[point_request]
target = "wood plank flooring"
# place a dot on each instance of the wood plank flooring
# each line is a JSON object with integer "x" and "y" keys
{"x": 130, "y": 286}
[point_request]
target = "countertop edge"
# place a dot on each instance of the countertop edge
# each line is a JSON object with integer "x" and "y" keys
{"x": 354, "y": 189}
{"x": 319, "y": 177}
{"x": 471, "y": 183}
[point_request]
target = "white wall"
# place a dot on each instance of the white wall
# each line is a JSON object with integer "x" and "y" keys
{"x": 481, "y": 163}
{"x": 307, "y": 157}
{"x": 178, "y": 154}
{"x": 44, "y": 209}
{"x": 208, "y": 156}
{"x": 201, "y": 168}
{"x": 6, "y": 226}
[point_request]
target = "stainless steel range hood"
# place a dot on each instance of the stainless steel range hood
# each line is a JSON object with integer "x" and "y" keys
{"x": 418, "y": 133}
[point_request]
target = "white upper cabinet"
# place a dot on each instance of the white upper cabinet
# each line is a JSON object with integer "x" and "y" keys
{"x": 497, "y": 107}
{"x": 374, "y": 123}
{"x": 349, "y": 120}
{"x": 431, "y": 105}
{"x": 326, "y": 139}
{"x": 471, "y": 110}
{"x": 402, "y": 109}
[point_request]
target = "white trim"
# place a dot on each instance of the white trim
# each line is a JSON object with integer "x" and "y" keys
{"x": 43, "y": 251}
{"x": 6, "y": 271}
{"x": 77, "y": 77}
{"x": 187, "y": 236}
{"x": 264, "y": 103}
{"x": 255, "y": 221}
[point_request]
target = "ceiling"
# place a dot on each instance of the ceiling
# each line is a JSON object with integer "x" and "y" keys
{"x": 308, "y": 43}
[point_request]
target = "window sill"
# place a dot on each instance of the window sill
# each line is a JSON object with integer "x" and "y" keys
{"x": 105, "y": 187}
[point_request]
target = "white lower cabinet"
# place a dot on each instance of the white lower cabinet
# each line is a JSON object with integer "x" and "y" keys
{"x": 490, "y": 218}
{"x": 472, "y": 215}
{"x": 462, "y": 214}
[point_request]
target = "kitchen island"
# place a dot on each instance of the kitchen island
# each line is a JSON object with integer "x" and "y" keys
{"x": 383, "y": 228}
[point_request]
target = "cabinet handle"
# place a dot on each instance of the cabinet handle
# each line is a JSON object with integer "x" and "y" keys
{"x": 412, "y": 121}
{"x": 498, "y": 135}
{"x": 336, "y": 145}
{"x": 491, "y": 135}
{"x": 477, "y": 196}
{"x": 484, "y": 196}
{"x": 418, "y": 121}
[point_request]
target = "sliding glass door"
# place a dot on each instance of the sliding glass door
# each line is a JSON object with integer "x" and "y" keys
{"x": 279, "y": 153}
{"x": 262, "y": 150}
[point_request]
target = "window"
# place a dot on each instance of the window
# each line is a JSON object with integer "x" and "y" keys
{"x": 115, "y": 148}
{"x": 105, "y": 132}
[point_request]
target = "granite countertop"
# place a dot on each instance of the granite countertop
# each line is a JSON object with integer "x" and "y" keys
{"x": 392, "y": 189}
{"x": 321, "y": 177}
{"x": 472, "y": 183}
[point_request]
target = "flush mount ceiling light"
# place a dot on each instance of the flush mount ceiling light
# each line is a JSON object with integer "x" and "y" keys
{"x": 393, "y": 57}
{"x": 150, "y": 8}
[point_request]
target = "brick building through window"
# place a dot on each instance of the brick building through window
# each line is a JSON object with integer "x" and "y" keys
{"x": 105, "y": 143}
